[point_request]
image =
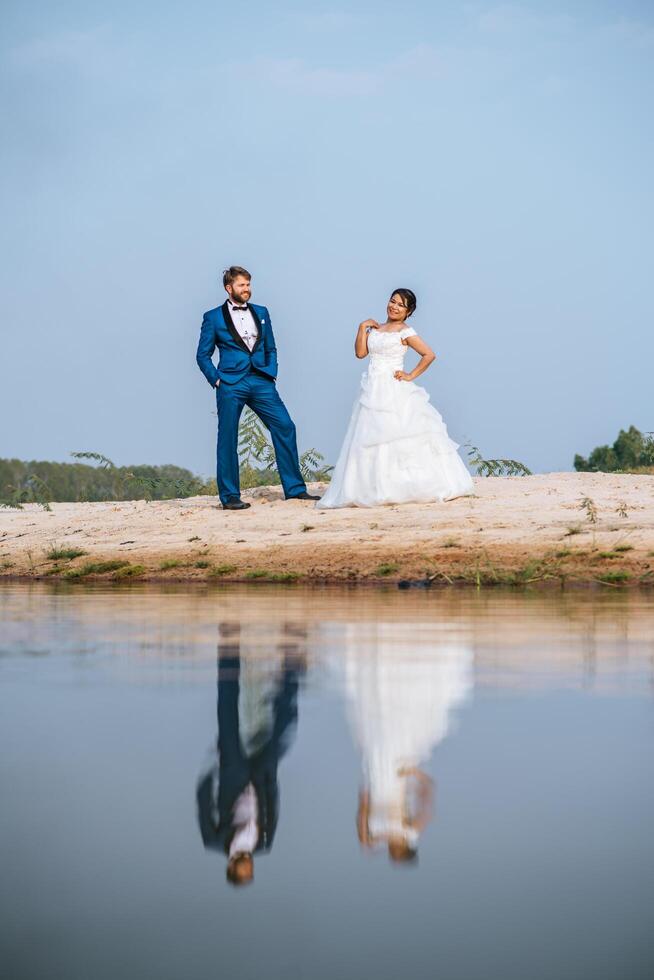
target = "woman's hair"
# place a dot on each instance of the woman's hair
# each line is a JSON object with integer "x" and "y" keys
{"x": 401, "y": 852}
{"x": 409, "y": 298}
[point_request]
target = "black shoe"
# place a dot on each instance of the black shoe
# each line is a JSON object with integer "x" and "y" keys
{"x": 236, "y": 504}
{"x": 305, "y": 496}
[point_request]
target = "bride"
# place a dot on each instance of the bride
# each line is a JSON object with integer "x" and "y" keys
{"x": 396, "y": 448}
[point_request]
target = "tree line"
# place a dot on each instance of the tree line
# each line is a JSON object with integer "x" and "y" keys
{"x": 632, "y": 451}
{"x": 46, "y": 482}
{"x": 42, "y": 482}
{"x": 39, "y": 481}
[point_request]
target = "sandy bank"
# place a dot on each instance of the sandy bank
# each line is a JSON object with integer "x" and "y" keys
{"x": 516, "y": 530}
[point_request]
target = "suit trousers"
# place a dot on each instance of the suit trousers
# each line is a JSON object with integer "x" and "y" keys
{"x": 260, "y": 394}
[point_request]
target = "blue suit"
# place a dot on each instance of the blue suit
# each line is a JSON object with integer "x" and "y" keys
{"x": 246, "y": 378}
{"x": 235, "y": 769}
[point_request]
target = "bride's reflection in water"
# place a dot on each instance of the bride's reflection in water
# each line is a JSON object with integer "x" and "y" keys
{"x": 238, "y": 797}
{"x": 400, "y": 696}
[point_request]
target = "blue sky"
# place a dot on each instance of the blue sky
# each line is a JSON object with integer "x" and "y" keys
{"x": 495, "y": 157}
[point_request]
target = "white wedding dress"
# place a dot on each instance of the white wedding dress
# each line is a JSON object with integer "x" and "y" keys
{"x": 401, "y": 693}
{"x": 396, "y": 448}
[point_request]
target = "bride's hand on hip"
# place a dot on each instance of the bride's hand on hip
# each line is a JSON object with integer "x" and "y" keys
{"x": 369, "y": 325}
{"x": 402, "y": 376}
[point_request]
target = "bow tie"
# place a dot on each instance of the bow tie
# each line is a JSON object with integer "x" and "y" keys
{"x": 239, "y": 307}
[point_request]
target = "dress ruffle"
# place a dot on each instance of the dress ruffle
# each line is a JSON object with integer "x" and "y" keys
{"x": 396, "y": 449}
{"x": 392, "y": 410}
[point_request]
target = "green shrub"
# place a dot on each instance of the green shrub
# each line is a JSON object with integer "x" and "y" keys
{"x": 130, "y": 571}
{"x": 95, "y": 568}
{"x": 614, "y": 577}
{"x": 56, "y": 554}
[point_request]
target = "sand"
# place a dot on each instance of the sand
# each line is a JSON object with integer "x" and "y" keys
{"x": 518, "y": 530}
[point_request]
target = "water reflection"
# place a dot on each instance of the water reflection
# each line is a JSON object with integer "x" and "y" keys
{"x": 238, "y": 796}
{"x": 534, "y": 838}
{"x": 400, "y": 697}
{"x": 600, "y": 642}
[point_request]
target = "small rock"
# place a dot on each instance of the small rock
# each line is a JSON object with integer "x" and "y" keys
{"x": 414, "y": 583}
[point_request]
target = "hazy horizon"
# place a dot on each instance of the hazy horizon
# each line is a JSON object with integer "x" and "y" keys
{"x": 494, "y": 157}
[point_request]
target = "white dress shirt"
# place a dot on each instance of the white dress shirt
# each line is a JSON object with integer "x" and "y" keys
{"x": 261, "y": 682}
{"x": 244, "y": 323}
{"x": 245, "y": 821}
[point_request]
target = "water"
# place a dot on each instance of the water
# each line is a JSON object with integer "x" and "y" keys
{"x": 451, "y": 785}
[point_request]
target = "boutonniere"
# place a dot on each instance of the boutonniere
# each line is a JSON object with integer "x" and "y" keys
{"x": 263, "y": 319}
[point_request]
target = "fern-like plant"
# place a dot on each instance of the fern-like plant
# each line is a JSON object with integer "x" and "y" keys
{"x": 127, "y": 482}
{"x": 254, "y": 446}
{"x": 257, "y": 454}
{"x": 312, "y": 466}
{"x": 104, "y": 461}
{"x": 495, "y": 467}
{"x": 33, "y": 490}
{"x": 120, "y": 477}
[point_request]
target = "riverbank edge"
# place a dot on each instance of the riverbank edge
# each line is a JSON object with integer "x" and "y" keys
{"x": 554, "y": 529}
{"x": 490, "y": 567}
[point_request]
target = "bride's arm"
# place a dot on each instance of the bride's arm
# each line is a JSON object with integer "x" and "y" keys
{"x": 361, "y": 342}
{"x": 426, "y": 357}
{"x": 363, "y": 813}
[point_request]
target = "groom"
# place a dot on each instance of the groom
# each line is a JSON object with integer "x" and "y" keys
{"x": 246, "y": 373}
{"x": 238, "y": 795}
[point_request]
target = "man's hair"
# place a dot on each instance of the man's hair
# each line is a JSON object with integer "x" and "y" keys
{"x": 234, "y": 271}
{"x": 240, "y": 870}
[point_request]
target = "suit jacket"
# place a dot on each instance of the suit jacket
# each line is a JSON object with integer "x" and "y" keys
{"x": 236, "y": 770}
{"x": 235, "y": 358}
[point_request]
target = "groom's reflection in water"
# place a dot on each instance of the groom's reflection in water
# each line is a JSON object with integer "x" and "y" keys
{"x": 238, "y": 798}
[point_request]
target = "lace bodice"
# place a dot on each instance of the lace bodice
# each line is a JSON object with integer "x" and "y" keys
{"x": 387, "y": 350}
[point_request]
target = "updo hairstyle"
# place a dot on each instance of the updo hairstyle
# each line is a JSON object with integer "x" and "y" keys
{"x": 409, "y": 298}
